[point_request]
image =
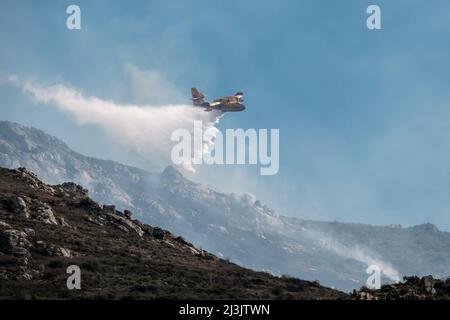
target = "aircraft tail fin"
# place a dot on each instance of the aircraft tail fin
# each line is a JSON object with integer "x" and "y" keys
{"x": 197, "y": 97}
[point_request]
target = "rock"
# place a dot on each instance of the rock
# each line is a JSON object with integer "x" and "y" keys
{"x": 109, "y": 209}
{"x": 159, "y": 233}
{"x": 140, "y": 224}
{"x": 33, "y": 181}
{"x": 121, "y": 222}
{"x": 63, "y": 222}
{"x": 63, "y": 252}
{"x": 122, "y": 227}
{"x": 182, "y": 241}
{"x": 189, "y": 246}
{"x": 366, "y": 296}
{"x": 412, "y": 280}
{"x": 37, "y": 210}
{"x": 24, "y": 274}
{"x": 42, "y": 247}
{"x": 148, "y": 230}
{"x": 23, "y": 261}
{"x": 94, "y": 221}
{"x": 128, "y": 214}
{"x": 89, "y": 204}
{"x": 14, "y": 242}
{"x": 18, "y": 206}
{"x": 4, "y": 225}
{"x": 30, "y": 232}
{"x": 193, "y": 250}
{"x": 3, "y": 275}
{"x": 53, "y": 250}
{"x": 44, "y": 213}
{"x": 13, "y": 238}
{"x": 412, "y": 288}
{"x": 27, "y": 276}
{"x": 427, "y": 283}
{"x": 74, "y": 190}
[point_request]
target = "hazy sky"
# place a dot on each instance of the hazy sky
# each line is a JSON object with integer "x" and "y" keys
{"x": 363, "y": 115}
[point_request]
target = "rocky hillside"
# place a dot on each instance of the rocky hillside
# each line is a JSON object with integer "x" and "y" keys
{"x": 412, "y": 288}
{"x": 237, "y": 227}
{"x": 44, "y": 229}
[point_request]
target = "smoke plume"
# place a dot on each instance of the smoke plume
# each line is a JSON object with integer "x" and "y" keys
{"x": 358, "y": 253}
{"x": 144, "y": 130}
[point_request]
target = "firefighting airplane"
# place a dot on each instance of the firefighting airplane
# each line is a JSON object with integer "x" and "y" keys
{"x": 225, "y": 104}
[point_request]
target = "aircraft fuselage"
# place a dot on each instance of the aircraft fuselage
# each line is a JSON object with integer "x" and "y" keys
{"x": 235, "y": 107}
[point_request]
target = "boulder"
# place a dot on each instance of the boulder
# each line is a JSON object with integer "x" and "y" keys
{"x": 148, "y": 230}
{"x": 121, "y": 222}
{"x": 30, "y": 232}
{"x": 94, "y": 221}
{"x": 89, "y": 205}
{"x": 53, "y": 250}
{"x": 109, "y": 209}
{"x": 14, "y": 242}
{"x": 366, "y": 296}
{"x": 36, "y": 210}
{"x": 427, "y": 283}
{"x": 128, "y": 214}
{"x": 44, "y": 213}
{"x": 62, "y": 252}
{"x": 182, "y": 241}
{"x": 18, "y": 206}
{"x": 63, "y": 222}
{"x": 159, "y": 233}
{"x": 74, "y": 190}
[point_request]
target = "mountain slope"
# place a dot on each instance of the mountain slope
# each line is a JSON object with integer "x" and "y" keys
{"x": 44, "y": 229}
{"x": 235, "y": 226}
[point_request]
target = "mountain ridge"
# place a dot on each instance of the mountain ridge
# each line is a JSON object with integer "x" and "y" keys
{"x": 45, "y": 229}
{"x": 235, "y": 226}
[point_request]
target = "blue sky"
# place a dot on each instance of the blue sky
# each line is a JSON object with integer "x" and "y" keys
{"x": 363, "y": 115}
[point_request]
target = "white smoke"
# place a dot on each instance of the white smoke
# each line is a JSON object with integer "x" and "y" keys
{"x": 358, "y": 253}
{"x": 145, "y": 130}
{"x": 362, "y": 255}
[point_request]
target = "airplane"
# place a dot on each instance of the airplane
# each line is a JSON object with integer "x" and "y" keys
{"x": 225, "y": 104}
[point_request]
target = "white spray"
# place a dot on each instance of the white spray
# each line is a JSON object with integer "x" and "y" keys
{"x": 145, "y": 130}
